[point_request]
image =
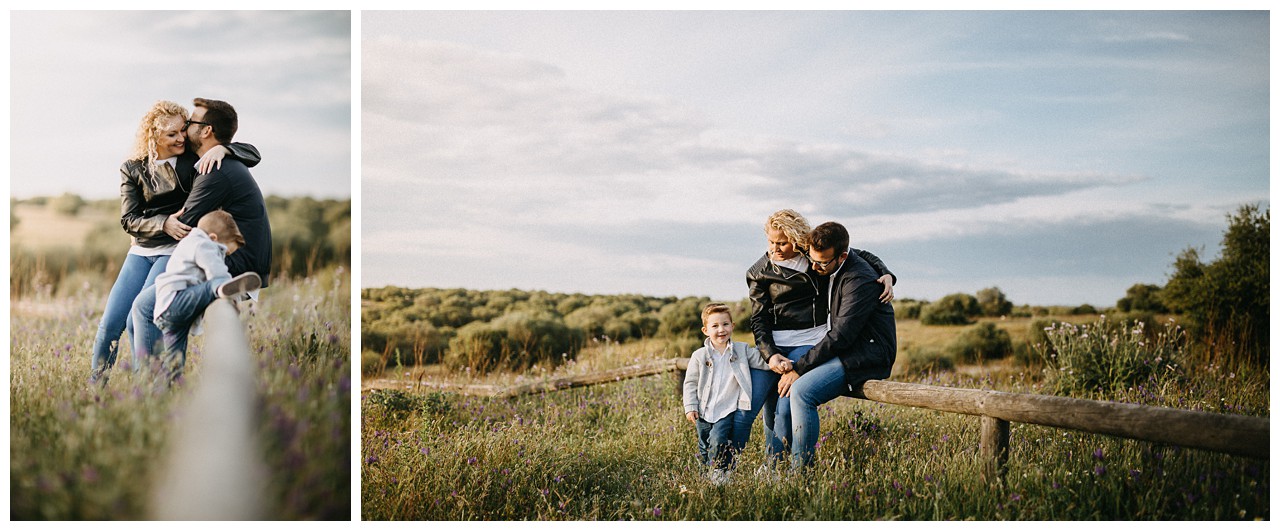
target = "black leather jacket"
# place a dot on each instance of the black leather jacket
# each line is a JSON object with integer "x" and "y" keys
{"x": 146, "y": 200}
{"x": 784, "y": 299}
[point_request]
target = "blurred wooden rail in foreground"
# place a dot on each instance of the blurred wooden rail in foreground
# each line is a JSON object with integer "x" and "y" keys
{"x": 214, "y": 467}
{"x": 1232, "y": 434}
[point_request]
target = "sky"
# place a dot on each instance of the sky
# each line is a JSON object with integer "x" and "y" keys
{"x": 1059, "y": 156}
{"x": 80, "y": 82}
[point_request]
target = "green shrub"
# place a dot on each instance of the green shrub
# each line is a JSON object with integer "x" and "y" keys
{"x": 515, "y": 341}
{"x": 1106, "y": 357}
{"x": 67, "y": 204}
{"x": 396, "y": 403}
{"x": 683, "y": 318}
{"x": 985, "y": 341}
{"x": 370, "y": 362}
{"x": 919, "y": 360}
{"x": 993, "y": 302}
{"x": 1227, "y": 302}
{"x": 954, "y": 309}
{"x": 908, "y": 308}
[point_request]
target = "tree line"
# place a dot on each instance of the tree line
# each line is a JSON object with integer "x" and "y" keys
{"x": 306, "y": 235}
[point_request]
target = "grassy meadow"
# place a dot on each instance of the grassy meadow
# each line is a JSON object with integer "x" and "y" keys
{"x": 82, "y": 452}
{"x": 624, "y": 450}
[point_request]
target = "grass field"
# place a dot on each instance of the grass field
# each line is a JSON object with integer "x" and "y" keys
{"x": 77, "y": 452}
{"x": 40, "y": 227}
{"x": 624, "y": 451}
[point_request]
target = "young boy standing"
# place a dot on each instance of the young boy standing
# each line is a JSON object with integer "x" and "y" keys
{"x": 717, "y": 388}
{"x": 196, "y": 274}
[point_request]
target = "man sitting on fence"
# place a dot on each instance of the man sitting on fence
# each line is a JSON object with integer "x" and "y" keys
{"x": 861, "y": 344}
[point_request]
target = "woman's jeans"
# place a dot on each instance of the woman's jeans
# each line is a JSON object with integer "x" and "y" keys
{"x": 136, "y": 273}
{"x": 799, "y": 411}
{"x": 764, "y": 399}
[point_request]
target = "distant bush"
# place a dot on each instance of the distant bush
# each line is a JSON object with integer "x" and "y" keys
{"x": 515, "y": 341}
{"x": 993, "y": 302}
{"x": 985, "y": 341}
{"x": 684, "y": 318}
{"x": 908, "y": 308}
{"x": 67, "y": 204}
{"x": 954, "y": 309}
{"x": 370, "y": 362}
{"x": 1084, "y": 309}
{"x": 918, "y": 360}
{"x": 1141, "y": 298}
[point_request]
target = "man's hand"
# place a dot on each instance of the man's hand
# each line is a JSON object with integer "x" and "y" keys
{"x": 887, "y": 295}
{"x": 784, "y": 384}
{"x": 692, "y": 416}
{"x": 176, "y": 228}
{"x": 779, "y": 363}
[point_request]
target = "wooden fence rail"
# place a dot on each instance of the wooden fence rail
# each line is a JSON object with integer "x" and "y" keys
{"x": 1233, "y": 434}
{"x": 214, "y": 468}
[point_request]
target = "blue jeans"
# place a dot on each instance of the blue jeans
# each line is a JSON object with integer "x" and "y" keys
{"x": 820, "y": 385}
{"x": 777, "y": 430}
{"x": 764, "y": 395}
{"x": 136, "y": 272}
{"x": 172, "y": 325}
{"x": 716, "y": 442}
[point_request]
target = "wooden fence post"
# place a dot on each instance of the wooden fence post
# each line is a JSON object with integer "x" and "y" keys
{"x": 993, "y": 446}
{"x": 681, "y": 368}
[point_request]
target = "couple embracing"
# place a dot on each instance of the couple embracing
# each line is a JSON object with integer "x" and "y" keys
{"x": 196, "y": 219}
{"x": 823, "y": 325}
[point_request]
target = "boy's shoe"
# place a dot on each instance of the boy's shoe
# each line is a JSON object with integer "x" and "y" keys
{"x": 718, "y": 477}
{"x": 239, "y": 285}
{"x": 768, "y": 474}
{"x": 97, "y": 379}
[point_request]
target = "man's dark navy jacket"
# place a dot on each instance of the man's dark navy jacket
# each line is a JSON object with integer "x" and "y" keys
{"x": 863, "y": 332}
{"x": 233, "y": 189}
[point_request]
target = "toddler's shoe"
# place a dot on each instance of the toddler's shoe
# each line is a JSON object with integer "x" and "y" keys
{"x": 239, "y": 285}
{"x": 767, "y": 473}
{"x": 718, "y": 477}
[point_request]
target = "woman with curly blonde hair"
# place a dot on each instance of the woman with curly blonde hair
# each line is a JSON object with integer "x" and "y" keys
{"x": 154, "y": 184}
{"x": 788, "y": 315}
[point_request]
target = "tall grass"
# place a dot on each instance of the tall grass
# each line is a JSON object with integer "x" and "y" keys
{"x": 79, "y": 452}
{"x": 624, "y": 451}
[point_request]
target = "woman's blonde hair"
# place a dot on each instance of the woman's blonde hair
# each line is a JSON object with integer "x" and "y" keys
{"x": 792, "y": 224}
{"x": 144, "y": 143}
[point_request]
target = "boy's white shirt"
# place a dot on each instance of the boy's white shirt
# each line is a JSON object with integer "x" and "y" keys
{"x": 699, "y": 381}
{"x": 196, "y": 259}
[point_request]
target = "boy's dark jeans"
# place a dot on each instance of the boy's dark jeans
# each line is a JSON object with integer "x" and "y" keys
{"x": 175, "y": 323}
{"x": 716, "y": 442}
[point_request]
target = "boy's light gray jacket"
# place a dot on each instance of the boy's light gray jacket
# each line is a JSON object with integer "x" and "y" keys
{"x": 697, "y": 379}
{"x": 196, "y": 259}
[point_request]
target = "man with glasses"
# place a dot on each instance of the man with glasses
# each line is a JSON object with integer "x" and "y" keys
{"x": 861, "y": 344}
{"x": 229, "y": 187}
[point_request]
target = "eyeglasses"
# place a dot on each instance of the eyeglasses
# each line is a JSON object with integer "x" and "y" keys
{"x": 189, "y": 122}
{"x": 823, "y": 265}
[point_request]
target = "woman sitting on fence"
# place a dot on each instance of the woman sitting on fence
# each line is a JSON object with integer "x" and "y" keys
{"x": 154, "y": 184}
{"x": 788, "y": 316}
